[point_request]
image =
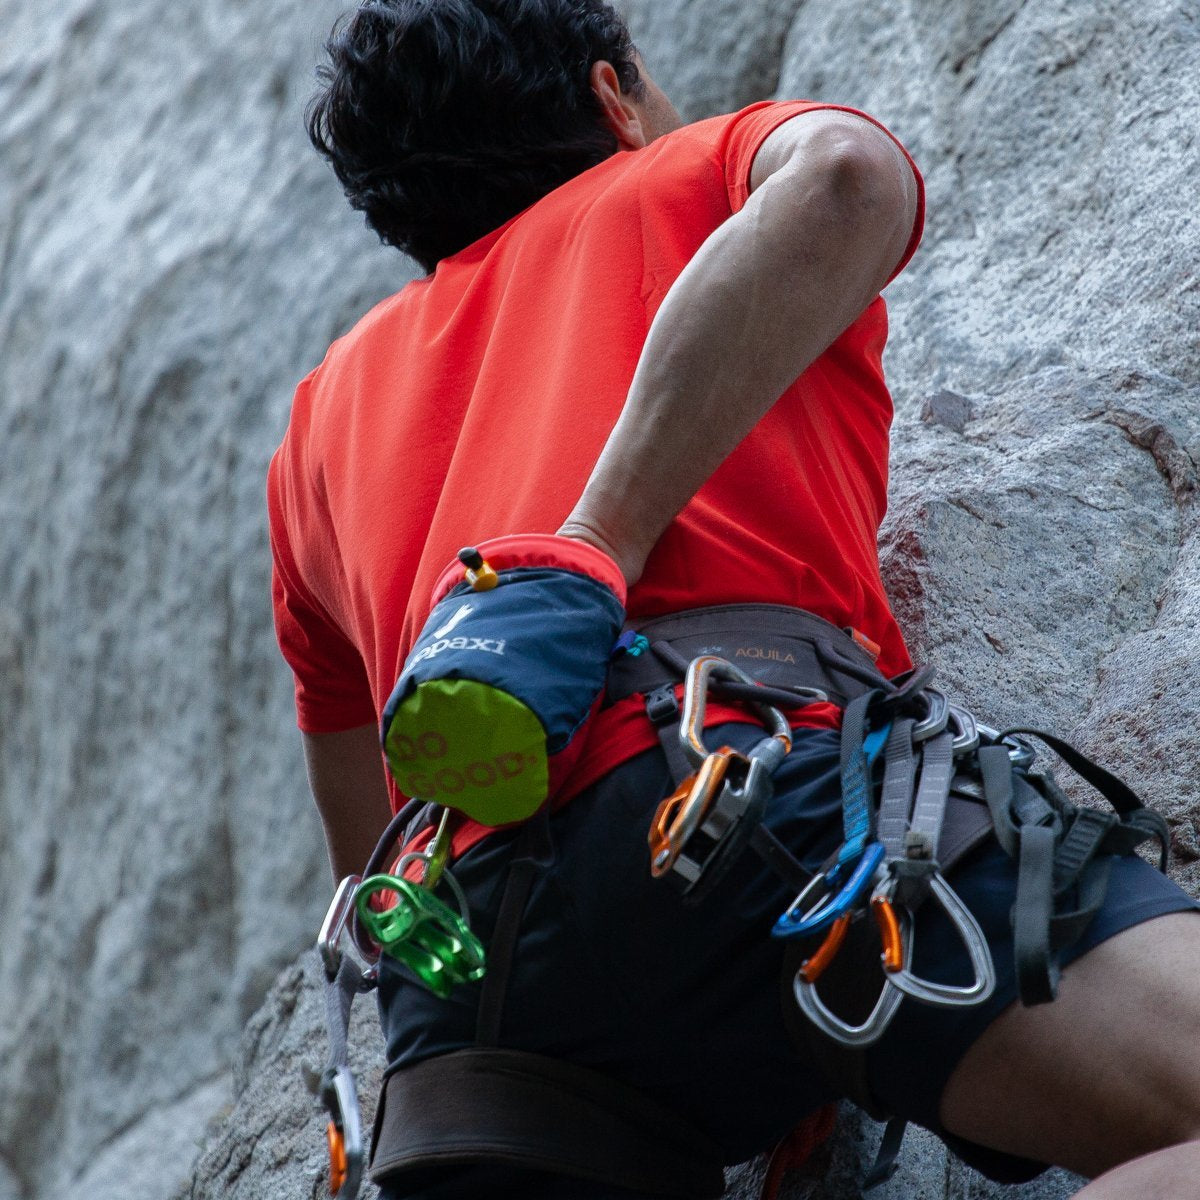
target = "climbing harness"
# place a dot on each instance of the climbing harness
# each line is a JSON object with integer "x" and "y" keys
{"x": 922, "y": 784}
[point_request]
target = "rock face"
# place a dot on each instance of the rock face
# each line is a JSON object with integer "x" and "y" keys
{"x": 173, "y": 258}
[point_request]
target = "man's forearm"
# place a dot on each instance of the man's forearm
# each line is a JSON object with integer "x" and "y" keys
{"x": 766, "y": 294}
{"x": 346, "y": 774}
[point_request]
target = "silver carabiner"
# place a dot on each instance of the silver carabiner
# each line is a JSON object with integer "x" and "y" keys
{"x": 329, "y": 939}
{"x": 935, "y": 720}
{"x": 695, "y": 703}
{"x": 966, "y": 732}
{"x": 1020, "y": 751}
{"x": 944, "y": 995}
{"x": 872, "y": 1029}
{"x": 347, "y": 1148}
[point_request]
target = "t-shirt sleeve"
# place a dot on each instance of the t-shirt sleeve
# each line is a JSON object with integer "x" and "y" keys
{"x": 754, "y": 125}
{"x": 332, "y": 689}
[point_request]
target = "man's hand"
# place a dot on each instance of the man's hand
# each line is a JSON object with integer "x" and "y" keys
{"x": 831, "y": 211}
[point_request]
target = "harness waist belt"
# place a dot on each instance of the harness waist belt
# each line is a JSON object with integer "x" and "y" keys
{"x": 778, "y": 646}
{"x": 485, "y": 1105}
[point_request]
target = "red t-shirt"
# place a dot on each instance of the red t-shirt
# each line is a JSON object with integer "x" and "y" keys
{"x": 475, "y": 403}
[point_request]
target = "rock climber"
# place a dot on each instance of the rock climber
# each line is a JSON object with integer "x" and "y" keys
{"x": 660, "y": 342}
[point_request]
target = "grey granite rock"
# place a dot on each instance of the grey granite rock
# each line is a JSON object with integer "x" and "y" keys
{"x": 272, "y": 1144}
{"x": 173, "y": 258}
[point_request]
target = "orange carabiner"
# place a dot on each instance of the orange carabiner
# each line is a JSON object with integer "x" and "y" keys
{"x": 889, "y": 934}
{"x": 337, "y": 1158}
{"x": 813, "y": 968}
{"x": 684, "y": 811}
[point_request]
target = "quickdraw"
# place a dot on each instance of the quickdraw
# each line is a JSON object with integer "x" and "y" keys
{"x": 895, "y": 874}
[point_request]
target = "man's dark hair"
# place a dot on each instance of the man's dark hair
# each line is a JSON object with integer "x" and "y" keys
{"x": 445, "y": 118}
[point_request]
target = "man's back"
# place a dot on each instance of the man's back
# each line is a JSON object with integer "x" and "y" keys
{"x": 479, "y": 399}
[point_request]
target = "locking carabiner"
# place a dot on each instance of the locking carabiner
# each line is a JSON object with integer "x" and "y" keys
{"x": 695, "y": 703}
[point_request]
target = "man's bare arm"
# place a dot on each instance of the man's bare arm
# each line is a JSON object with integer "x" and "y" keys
{"x": 830, "y": 214}
{"x": 346, "y": 774}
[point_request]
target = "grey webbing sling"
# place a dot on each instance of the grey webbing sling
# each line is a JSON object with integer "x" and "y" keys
{"x": 1064, "y": 853}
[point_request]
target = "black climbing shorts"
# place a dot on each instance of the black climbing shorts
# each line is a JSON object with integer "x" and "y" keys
{"x": 613, "y": 972}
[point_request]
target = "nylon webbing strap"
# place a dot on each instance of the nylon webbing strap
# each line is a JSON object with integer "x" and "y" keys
{"x": 995, "y": 767}
{"x": 480, "y": 1107}
{"x": 887, "y": 1157}
{"x": 1088, "y": 832}
{"x": 1037, "y": 972}
{"x": 856, "y": 797}
{"x": 1138, "y": 823}
{"x": 1068, "y": 927}
{"x": 340, "y": 993}
{"x": 929, "y": 808}
{"x": 662, "y": 708}
{"x": 1064, "y": 853}
{"x": 780, "y": 859}
{"x": 530, "y": 855}
{"x": 895, "y": 796}
{"x": 1116, "y": 792}
{"x": 786, "y": 648}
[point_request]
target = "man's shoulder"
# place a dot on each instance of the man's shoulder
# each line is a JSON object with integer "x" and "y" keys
{"x": 375, "y": 325}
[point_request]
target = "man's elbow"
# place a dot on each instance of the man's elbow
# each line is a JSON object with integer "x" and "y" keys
{"x": 872, "y": 187}
{"x": 842, "y": 168}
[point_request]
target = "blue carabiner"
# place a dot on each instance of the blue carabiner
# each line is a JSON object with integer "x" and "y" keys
{"x": 794, "y": 924}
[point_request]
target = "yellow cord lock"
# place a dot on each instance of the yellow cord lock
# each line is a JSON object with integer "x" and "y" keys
{"x": 480, "y": 574}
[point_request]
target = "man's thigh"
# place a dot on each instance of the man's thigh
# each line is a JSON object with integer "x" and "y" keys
{"x": 1109, "y": 1071}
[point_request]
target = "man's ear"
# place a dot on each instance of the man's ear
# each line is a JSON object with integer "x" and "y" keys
{"x": 621, "y": 114}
